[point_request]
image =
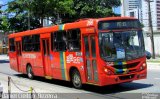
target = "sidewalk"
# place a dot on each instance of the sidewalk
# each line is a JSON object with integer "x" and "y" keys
{"x": 20, "y": 88}
{"x": 4, "y": 57}
{"x": 20, "y": 83}
{"x": 157, "y": 60}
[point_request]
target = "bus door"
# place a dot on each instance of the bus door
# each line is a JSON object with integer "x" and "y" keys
{"x": 19, "y": 56}
{"x": 90, "y": 58}
{"x": 46, "y": 57}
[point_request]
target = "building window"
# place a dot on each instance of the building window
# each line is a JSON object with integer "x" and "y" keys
{"x": 12, "y": 45}
{"x": 132, "y": 14}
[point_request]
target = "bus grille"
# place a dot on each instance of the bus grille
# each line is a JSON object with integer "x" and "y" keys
{"x": 128, "y": 66}
{"x": 119, "y": 69}
{"x": 126, "y": 77}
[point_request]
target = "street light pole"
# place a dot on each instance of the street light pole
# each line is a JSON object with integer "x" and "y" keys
{"x": 151, "y": 29}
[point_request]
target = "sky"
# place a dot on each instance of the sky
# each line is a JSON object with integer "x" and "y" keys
{"x": 116, "y": 10}
{"x": 4, "y": 2}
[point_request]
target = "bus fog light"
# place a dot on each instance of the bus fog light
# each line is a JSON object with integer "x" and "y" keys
{"x": 106, "y": 70}
{"x": 144, "y": 65}
{"x": 141, "y": 68}
{"x": 116, "y": 79}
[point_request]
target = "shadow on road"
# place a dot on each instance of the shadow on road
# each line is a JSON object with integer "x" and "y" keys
{"x": 116, "y": 88}
{"x": 100, "y": 90}
{"x": 4, "y": 61}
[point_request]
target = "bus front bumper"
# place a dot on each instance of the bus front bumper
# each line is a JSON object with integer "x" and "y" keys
{"x": 116, "y": 79}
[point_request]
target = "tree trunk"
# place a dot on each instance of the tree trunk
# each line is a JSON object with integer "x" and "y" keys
{"x": 42, "y": 21}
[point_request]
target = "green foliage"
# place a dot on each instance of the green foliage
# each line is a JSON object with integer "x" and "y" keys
{"x": 95, "y": 8}
{"x": 20, "y": 23}
{"x": 3, "y": 21}
{"x": 92, "y": 9}
{"x": 4, "y": 24}
{"x": 21, "y": 11}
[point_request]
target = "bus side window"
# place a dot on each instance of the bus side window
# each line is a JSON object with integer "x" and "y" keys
{"x": 11, "y": 45}
{"x": 31, "y": 43}
{"x": 36, "y": 43}
{"x": 74, "y": 40}
{"x": 27, "y": 43}
{"x": 59, "y": 41}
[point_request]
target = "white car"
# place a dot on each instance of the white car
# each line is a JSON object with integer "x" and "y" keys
{"x": 1, "y": 90}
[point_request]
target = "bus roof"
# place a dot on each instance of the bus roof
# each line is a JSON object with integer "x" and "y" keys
{"x": 77, "y": 24}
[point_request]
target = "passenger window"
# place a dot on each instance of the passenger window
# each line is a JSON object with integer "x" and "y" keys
{"x": 70, "y": 40}
{"x": 59, "y": 40}
{"x": 27, "y": 43}
{"x": 74, "y": 40}
{"x": 86, "y": 42}
{"x": 36, "y": 43}
{"x": 31, "y": 43}
{"x": 93, "y": 46}
{"x": 11, "y": 45}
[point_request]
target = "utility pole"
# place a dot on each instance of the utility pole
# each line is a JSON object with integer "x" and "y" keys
{"x": 151, "y": 28}
{"x": 29, "y": 24}
{"x": 29, "y": 20}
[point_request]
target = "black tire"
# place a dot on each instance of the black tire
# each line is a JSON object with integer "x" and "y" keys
{"x": 76, "y": 79}
{"x": 29, "y": 72}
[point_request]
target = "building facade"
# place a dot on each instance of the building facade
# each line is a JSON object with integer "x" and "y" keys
{"x": 129, "y": 5}
{"x": 155, "y": 14}
{"x": 3, "y": 43}
{"x": 139, "y": 10}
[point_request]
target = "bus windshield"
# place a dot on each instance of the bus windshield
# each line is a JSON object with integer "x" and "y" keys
{"x": 121, "y": 46}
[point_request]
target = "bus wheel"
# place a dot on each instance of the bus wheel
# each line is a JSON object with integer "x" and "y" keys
{"x": 29, "y": 72}
{"x": 76, "y": 79}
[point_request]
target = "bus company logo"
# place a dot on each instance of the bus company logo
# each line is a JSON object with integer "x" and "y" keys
{"x": 89, "y": 22}
{"x": 71, "y": 58}
{"x": 32, "y": 56}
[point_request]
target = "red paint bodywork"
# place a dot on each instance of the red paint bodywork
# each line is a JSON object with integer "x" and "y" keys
{"x": 53, "y": 68}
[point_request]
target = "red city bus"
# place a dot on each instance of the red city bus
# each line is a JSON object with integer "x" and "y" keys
{"x": 100, "y": 51}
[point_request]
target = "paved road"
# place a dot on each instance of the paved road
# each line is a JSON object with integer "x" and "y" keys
{"x": 149, "y": 85}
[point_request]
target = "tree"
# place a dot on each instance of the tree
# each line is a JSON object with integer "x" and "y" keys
{"x": 0, "y": 18}
{"x": 18, "y": 16}
{"x": 33, "y": 12}
{"x": 92, "y": 9}
{"x": 40, "y": 9}
{"x": 20, "y": 23}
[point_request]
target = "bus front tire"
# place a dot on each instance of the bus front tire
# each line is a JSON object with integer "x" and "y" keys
{"x": 29, "y": 72}
{"x": 76, "y": 79}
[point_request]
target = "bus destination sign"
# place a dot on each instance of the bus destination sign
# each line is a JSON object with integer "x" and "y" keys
{"x": 118, "y": 24}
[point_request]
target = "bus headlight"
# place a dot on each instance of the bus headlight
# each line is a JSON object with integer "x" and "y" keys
{"x": 143, "y": 66}
{"x": 107, "y": 71}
